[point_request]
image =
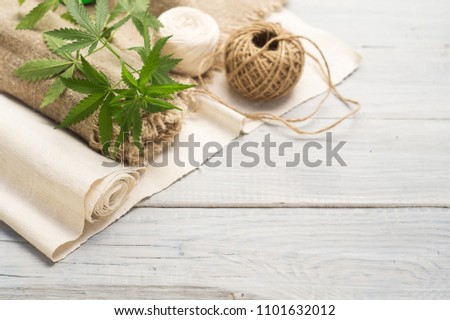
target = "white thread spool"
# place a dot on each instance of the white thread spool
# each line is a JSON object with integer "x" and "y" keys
{"x": 195, "y": 36}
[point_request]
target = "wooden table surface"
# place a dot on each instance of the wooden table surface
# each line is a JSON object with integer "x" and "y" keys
{"x": 378, "y": 228}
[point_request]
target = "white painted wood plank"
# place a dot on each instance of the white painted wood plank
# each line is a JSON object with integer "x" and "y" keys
{"x": 391, "y": 163}
{"x": 406, "y": 53}
{"x": 253, "y": 253}
{"x": 385, "y": 23}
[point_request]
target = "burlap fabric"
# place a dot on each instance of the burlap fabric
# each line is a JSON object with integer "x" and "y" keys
{"x": 19, "y": 46}
{"x": 229, "y": 14}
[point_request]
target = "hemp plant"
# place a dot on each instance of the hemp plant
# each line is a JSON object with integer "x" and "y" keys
{"x": 146, "y": 90}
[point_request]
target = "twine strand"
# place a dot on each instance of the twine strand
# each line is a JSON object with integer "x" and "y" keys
{"x": 288, "y": 122}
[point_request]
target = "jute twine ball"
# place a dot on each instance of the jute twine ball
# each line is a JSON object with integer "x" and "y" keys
{"x": 263, "y": 61}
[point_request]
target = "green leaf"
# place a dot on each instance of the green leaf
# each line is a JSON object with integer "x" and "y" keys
{"x": 138, "y": 10}
{"x": 76, "y": 46}
{"x": 120, "y": 139}
{"x": 137, "y": 130}
{"x": 33, "y": 17}
{"x": 54, "y": 44}
{"x": 116, "y": 26}
{"x": 105, "y": 125}
{"x": 167, "y": 64}
{"x": 41, "y": 69}
{"x": 155, "y": 105}
{"x": 82, "y": 86}
{"x": 141, "y": 51}
{"x": 143, "y": 31}
{"x": 21, "y": 2}
{"x": 134, "y": 7}
{"x": 93, "y": 75}
{"x": 101, "y": 14}
{"x": 149, "y": 21}
{"x": 66, "y": 16}
{"x": 83, "y": 110}
{"x": 149, "y": 68}
{"x": 81, "y": 16}
{"x": 70, "y": 34}
{"x": 128, "y": 78}
{"x": 93, "y": 47}
{"x": 55, "y": 90}
{"x": 165, "y": 91}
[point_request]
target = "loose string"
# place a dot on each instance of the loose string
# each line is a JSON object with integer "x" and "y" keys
{"x": 288, "y": 122}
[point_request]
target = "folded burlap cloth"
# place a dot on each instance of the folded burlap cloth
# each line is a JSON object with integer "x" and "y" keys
{"x": 19, "y": 46}
{"x": 229, "y": 14}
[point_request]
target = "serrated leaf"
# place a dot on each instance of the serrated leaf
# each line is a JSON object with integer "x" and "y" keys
{"x": 82, "y": 86}
{"x": 93, "y": 47}
{"x": 150, "y": 21}
{"x": 155, "y": 105}
{"x": 165, "y": 91}
{"x": 120, "y": 139}
{"x": 128, "y": 78}
{"x": 137, "y": 130}
{"x": 41, "y": 69}
{"x": 80, "y": 15}
{"x": 160, "y": 78}
{"x": 116, "y": 26}
{"x": 54, "y": 44}
{"x": 70, "y": 34}
{"x": 105, "y": 125}
{"x": 101, "y": 14}
{"x": 33, "y": 17}
{"x": 66, "y": 16}
{"x": 143, "y": 31}
{"x": 93, "y": 75}
{"x": 149, "y": 68}
{"x": 83, "y": 110}
{"x": 141, "y": 51}
{"x": 167, "y": 64}
{"x": 133, "y": 7}
{"x": 55, "y": 90}
{"x": 76, "y": 46}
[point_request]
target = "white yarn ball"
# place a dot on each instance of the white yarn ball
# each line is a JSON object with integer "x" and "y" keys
{"x": 195, "y": 36}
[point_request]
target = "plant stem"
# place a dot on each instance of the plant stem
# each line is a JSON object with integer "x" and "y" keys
{"x": 114, "y": 52}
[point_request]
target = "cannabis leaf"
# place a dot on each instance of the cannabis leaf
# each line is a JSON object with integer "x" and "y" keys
{"x": 165, "y": 63}
{"x": 141, "y": 95}
{"x": 83, "y": 109}
{"x": 95, "y": 84}
{"x": 41, "y": 69}
{"x": 138, "y": 11}
{"x": 57, "y": 88}
{"x": 80, "y": 15}
{"x": 79, "y": 38}
{"x": 149, "y": 89}
{"x": 33, "y": 17}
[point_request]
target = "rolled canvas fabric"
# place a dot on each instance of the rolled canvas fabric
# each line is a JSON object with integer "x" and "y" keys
{"x": 57, "y": 193}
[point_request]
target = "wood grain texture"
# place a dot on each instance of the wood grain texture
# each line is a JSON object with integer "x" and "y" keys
{"x": 251, "y": 254}
{"x": 390, "y": 163}
{"x": 398, "y": 155}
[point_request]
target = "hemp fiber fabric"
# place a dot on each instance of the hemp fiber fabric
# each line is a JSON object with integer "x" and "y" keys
{"x": 56, "y": 192}
{"x": 20, "y": 46}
